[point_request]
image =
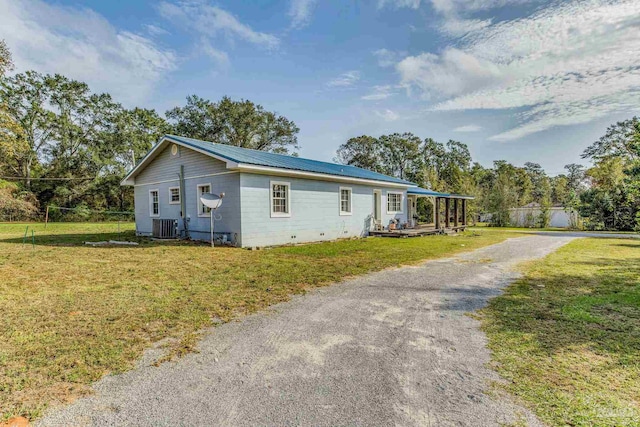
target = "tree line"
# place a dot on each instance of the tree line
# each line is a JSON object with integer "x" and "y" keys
{"x": 62, "y": 145}
{"x": 606, "y": 195}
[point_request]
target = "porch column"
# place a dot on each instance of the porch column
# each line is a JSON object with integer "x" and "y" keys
{"x": 464, "y": 211}
{"x": 456, "y": 212}
{"x": 436, "y": 213}
{"x": 447, "y": 216}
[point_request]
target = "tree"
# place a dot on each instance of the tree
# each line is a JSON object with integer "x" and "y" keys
{"x": 198, "y": 119}
{"x": 239, "y": 123}
{"x": 433, "y": 160}
{"x": 560, "y": 190}
{"x": 540, "y": 182}
{"x": 575, "y": 177}
{"x": 10, "y": 133}
{"x": 127, "y": 139}
{"x": 503, "y": 194}
{"x": 362, "y": 151}
{"x": 132, "y": 134}
{"x": 25, "y": 98}
{"x": 613, "y": 202}
{"x": 16, "y": 204}
{"x": 400, "y": 155}
{"x": 621, "y": 140}
{"x": 65, "y": 132}
{"x": 455, "y": 167}
{"x": 77, "y": 149}
{"x": 6, "y": 61}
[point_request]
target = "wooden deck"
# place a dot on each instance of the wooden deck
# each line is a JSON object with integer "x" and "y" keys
{"x": 416, "y": 232}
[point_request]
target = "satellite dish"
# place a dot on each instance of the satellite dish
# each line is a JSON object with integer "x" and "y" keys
{"x": 212, "y": 201}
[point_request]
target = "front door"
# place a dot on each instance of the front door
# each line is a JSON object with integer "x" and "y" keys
{"x": 377, "y": 207}
{"x": 411, "y": 210}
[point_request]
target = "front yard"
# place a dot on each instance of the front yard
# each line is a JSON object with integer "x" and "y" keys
{"x": 567, "y": 335}
{"x": 72, "y": 314}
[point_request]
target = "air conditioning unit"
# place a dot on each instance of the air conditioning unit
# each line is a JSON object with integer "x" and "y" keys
{"x": 165, "y": 228}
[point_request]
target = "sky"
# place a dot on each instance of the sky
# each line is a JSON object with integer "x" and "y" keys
{"x": 516, "y": 80}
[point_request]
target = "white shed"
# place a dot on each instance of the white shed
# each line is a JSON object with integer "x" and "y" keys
{"x": 528, "y": 215}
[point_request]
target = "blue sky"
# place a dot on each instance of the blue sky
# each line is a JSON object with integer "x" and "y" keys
{"x": 520, "y": 80}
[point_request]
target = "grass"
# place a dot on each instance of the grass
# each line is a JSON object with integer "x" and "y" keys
{"x": 482, "y": 225}
{"x": 567, "y": 335}
{"x": 72, "y": 313}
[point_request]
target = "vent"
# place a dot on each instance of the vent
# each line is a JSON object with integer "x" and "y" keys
{"x": 165, "y": 228}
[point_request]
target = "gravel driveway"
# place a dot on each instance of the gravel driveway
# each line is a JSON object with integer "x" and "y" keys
{"x": 389, "y": 348}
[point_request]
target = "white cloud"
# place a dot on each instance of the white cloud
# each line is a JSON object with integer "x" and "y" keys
{"x": 453, "y": 72}
{"x": 379, "y": 93}
{"x": 345, "y": 80}
{"x": 387, "y": 115}
{"x": 154, "y": 30}
{"x": 212, "y": 21}
{"x": 455, "y": 14}
{"x": 81, "y": 44}
{"x": 468, "y": 128}
{"x": 413, "y": 4}
{"x": 300, "y": 12}
{"x": 457, "y": 27}
{"x": 388, "y": 58}
{"x": 569, "y": 63}
{"x": 217, "y": 55}
{"x": 462, "y": 6}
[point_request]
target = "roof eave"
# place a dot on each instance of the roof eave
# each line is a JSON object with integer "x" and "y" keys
{"x": 267, "y": 170}
{"x": 461, "y": 196}
{"x": 129, "y": 179}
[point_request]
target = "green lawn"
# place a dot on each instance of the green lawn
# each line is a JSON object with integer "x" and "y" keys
{"x": 484, "y": 226}
{"x": 567, "y": 335}
{"x": 72, "y": 313}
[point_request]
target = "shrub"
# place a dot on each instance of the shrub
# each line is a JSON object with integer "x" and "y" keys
{"x": 16, "y": 205}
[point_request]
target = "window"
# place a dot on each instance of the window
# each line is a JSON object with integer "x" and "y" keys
{"x": 202, "y": 209}
{"x": 154, "y": 203}
{"x": 345, "y": 201}
{"x": 394, "y": 202}
{"x": 174, "y": 195}
{"x": 280, "y": 206}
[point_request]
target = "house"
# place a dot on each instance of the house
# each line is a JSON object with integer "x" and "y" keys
{"x": 529, "y": 216}
{"x": 269, "y": 199}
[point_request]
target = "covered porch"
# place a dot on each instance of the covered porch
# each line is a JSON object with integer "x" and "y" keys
{"x": 448, "y": 215}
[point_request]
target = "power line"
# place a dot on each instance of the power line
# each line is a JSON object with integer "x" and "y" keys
{"x": 90, "y": 210}
{"x": 18, "y": 178}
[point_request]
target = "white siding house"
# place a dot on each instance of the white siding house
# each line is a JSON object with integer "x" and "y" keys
{"x": 269, "y": 199}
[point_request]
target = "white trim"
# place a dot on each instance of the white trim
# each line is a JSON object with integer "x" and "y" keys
{"x": 288, "y": 200}
{"x": 156, "y": 182}
{"x": 265, "y": 170}
{"x": 151, "y": 214}
{"x": 350, "y": 211}
{"x": 401, "y": 202}
{"x": 199, "y": 203}
{"x": 211, "y": 174}
{"x": 377, "y": 192}
{"x": 179, "y": 195}
{"x": 129, "y": 179}
{"x": 186, "y": 178}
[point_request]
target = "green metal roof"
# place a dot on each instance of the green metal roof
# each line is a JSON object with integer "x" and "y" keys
{"x": 281, "y": 161}
{"x": 424, "y": 192}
